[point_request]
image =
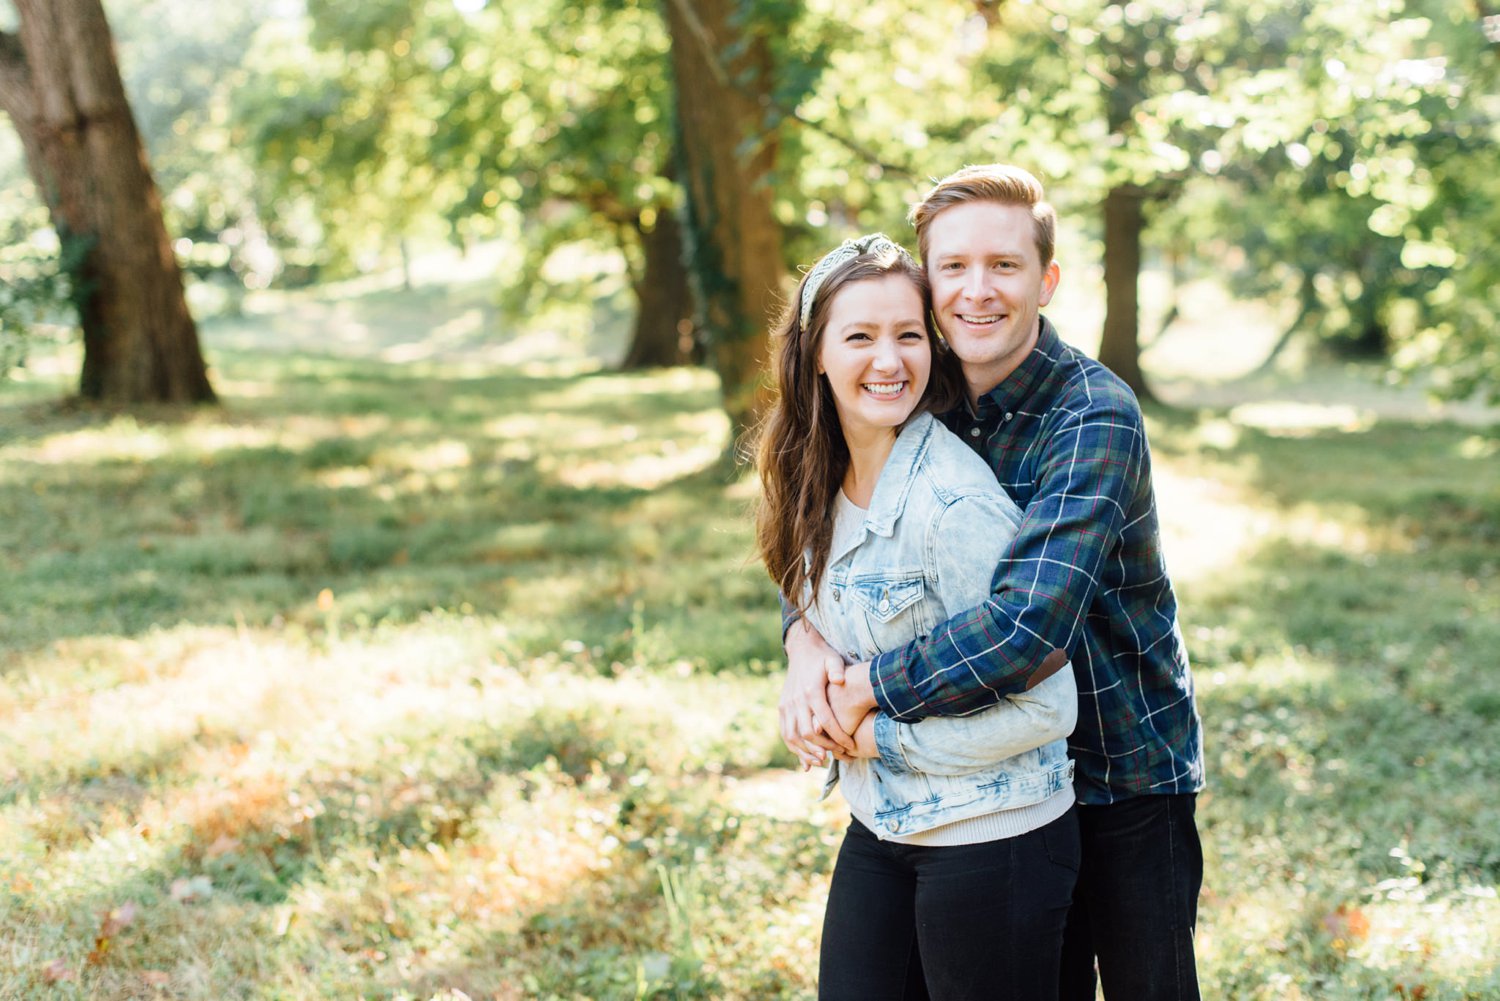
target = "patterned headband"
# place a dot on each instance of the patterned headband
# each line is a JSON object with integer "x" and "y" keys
{"x": 872, "y": 243}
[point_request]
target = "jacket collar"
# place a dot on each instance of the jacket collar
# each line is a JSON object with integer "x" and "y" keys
{"x": 894, "y": 485}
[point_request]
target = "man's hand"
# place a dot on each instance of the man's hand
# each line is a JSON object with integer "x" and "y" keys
{"x": 1051, "y": 664}
{"x": 809, "y": 727}
{"x": 864, "y": 741}
{"x": 852, "y": 698}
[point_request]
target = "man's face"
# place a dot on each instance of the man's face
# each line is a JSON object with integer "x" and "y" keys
{"x": 988, "y": 285}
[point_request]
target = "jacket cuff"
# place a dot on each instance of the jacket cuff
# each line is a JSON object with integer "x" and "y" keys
{"x": 888, "y": 743}
{"x": 789, "y": 617}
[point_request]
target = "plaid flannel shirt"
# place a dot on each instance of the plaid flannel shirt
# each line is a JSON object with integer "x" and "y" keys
{"x": 1085, "y": 575}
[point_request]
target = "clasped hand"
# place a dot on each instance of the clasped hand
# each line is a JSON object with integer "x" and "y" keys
{"x": 826, "y": 707}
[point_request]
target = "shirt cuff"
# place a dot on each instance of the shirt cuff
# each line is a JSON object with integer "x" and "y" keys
{"x": 888, "y": 743}
{"x": 893, "y": 692}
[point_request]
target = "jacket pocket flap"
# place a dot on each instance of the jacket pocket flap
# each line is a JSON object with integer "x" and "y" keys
{"x": 888, "y": 595}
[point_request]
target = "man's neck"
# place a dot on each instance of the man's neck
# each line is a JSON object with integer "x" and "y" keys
{"x": 985, "y": 379}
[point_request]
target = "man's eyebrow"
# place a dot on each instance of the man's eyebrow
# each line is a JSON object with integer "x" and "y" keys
{"x": 954, "y": 254}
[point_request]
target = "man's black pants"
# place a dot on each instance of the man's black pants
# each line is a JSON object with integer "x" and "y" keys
{"x": 1136, "y": 902}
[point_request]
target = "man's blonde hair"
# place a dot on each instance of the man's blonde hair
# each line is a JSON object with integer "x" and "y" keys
{"x": 989, "y": 182}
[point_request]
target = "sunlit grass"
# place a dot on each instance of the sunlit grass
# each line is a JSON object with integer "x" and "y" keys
{"x": 392, "y": 681}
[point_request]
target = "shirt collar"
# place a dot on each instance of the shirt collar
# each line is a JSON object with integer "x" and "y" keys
{"x": 1033, "y": 371}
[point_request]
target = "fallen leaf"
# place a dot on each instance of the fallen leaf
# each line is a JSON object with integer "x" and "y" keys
{"x": 1347, "y": 923}
{"x": 57, "y": 972}
{"x": 117, "y": 920}
{"x": 113, "y": 922}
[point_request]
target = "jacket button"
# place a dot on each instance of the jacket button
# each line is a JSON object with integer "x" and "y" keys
{"x": 835, "y": 594}
{"x": 885, "y": 604}
{"x": 973, "y": 432}
{"x": 893, "y": 826}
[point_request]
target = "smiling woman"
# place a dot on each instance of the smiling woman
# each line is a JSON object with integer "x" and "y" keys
{"x": 877, "y": 523}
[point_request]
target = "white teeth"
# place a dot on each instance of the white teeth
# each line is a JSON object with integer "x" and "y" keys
{"x": 884, "y": 388}
{"x": 979, "y": 319}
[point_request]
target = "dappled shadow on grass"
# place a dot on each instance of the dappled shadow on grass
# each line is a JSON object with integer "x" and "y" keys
{"x": 501, "y": 828}
{"x": 398, "y": 489}
{"x": 1341, "y": 663}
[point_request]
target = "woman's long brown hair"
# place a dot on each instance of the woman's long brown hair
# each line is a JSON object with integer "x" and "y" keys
{"x": 800, "y": 450}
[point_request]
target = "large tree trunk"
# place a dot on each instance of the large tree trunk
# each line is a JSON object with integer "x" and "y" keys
{"x": 664, "y": 319}
{"x": 1119, "y": 347}
{"x": 1124, "y": 217}
{"x": 733, "y": 239}
{"x": 61, "y": 86}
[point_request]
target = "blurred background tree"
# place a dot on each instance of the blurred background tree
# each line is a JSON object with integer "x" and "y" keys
{"x": 61, "y": 87}
{"x": 1336, "y": 157}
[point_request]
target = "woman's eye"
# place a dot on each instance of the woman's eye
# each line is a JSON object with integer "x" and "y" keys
{"x": 913, "y": 335}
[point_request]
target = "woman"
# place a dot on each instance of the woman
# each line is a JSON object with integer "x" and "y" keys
{"x": 877, "y": 523}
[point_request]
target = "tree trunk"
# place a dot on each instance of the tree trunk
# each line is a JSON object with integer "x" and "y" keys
{"x": 664, "y": 317}
{"x": 1119, "y": 348}
{"x": 61, "y": 86}
{"x": 732, "y": 237}
{"x": 1124, "y": 216}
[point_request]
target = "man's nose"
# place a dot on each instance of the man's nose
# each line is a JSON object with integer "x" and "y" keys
{"x": 976, "y": 284}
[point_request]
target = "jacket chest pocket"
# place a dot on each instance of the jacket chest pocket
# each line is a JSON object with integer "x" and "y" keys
{"x": 891, "y": 607}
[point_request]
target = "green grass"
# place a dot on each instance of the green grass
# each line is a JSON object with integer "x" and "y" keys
{"x": 393, "y": 680}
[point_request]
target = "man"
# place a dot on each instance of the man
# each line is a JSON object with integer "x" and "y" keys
{"x": 1084, "y": 581}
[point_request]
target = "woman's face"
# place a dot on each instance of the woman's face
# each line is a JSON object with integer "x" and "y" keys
{"x": 876, "y": 355}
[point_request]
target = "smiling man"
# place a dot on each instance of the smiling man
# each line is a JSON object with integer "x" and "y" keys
{"x": 1083, "y": 581}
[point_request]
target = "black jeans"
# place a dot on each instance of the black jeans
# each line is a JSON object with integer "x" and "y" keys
{"x": 982, "y": 922}
{"x": 1136, "y": 902}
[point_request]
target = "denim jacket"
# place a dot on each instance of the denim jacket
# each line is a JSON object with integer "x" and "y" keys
{"x": 937, "y": 527}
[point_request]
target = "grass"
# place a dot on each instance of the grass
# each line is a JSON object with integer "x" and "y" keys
{"x": 421, "y": 678}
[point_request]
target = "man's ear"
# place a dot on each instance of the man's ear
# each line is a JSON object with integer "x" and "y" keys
{"x": 1051, "y": 275}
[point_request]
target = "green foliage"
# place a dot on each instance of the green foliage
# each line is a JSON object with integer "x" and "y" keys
{"x": 1369, "y": 202}
{"x": 181, "y": 83}
{"x": 36, "y": 288}
{"x": 386, "y": 120}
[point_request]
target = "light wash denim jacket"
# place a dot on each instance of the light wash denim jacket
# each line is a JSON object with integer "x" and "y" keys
{"x": 936, "y": 528}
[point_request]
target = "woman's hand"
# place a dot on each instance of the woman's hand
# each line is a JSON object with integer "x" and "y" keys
{"x": 808, "y": 724}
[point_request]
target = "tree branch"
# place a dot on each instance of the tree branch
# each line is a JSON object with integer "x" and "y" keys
{"x": 723, "y": 77}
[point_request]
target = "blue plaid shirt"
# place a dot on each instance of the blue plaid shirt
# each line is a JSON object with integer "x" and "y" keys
{"x": 1085, "y": 575}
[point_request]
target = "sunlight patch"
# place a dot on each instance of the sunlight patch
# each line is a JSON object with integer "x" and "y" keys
{"x": 644, "y": 472}
{"x": 1285, "y": 418}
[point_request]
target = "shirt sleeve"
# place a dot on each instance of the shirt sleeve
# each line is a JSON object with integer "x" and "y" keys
{"x": 960, "y": 745}
{"x": 1088, "y": 478}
